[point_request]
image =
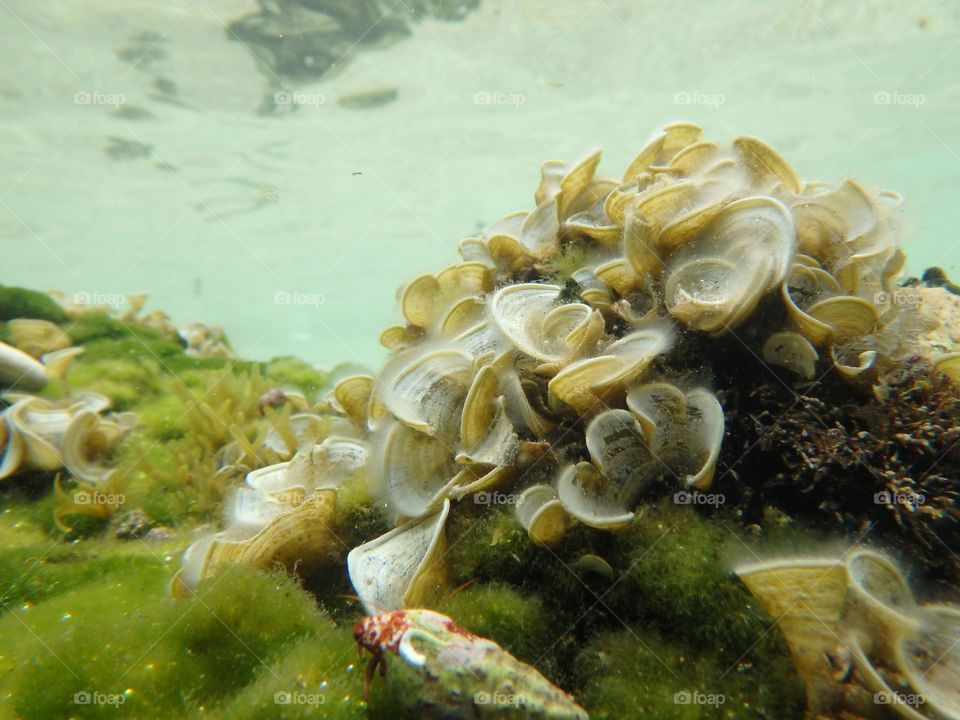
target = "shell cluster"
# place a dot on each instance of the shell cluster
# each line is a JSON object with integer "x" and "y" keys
{"x": 284, "y": 513}
{"x": 859, "y": 639}
{"x": 541, "y": 363}
{"x": 40, "y": 434}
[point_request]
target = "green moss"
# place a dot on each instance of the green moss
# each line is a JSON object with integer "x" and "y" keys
{"x": 17, "y": 302}
{"x": 99, "y": 325}
{"x": 289, "y": 371}
{"x": 675, "y": 570}
{"x": 169, "y": 658}
{"x": 319, "y": 676}
{"x": 487, "y": 543}
{"x": 521, "y": 624}
{"x": 636, "y": 673}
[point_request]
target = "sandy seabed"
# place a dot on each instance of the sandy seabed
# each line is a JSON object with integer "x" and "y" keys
{"x": 293, "y": 231}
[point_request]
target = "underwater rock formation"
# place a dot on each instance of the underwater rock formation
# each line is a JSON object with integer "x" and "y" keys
{"x": 574, "y": 357}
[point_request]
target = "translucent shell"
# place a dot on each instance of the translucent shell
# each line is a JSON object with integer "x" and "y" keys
{"x": 20, "y": 370}
{"x": 539, "y": 512}
{"x": 425, "y": 389}
{"x": 530, "y": 317}
{"x": 663, "y": 148}
{"x": 765, "y": 162}
{"x": 929, "y": 657}
{"x": 792, "y": 351}
{"x": 89, "y": 439}
{"x": 299, "y": 537}
{"x": 685, "y": 429}
{"x": 861, "y": 604}
{"x": 716, "y": 281}
{"x": 34, "y": 429}
{"x": 416, "y": 469}
{"x": 37, "y": 337}
{"x": 585, "y": 384}
{"x": 353, "y": 397}
{"x": 402, "y": 568}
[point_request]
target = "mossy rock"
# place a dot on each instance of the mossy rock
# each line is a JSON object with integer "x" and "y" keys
{"x": 17, "y": 302}
{"x": 167, "y": 658}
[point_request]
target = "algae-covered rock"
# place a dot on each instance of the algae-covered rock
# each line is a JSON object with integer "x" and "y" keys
{"x": 17, "y": 302}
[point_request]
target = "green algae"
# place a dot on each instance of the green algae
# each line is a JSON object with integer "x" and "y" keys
{"x": 669, "y": 617}
{"x": 520, "y": 624}
{"x": 172, "y": 658}
{"x": 18, "y": 302}
{"x": 289, "y": 372}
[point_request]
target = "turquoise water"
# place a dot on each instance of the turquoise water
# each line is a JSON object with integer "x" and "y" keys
{"x": 170, "y": 181}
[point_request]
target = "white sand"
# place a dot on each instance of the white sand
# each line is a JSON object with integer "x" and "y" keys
{"x": 435, "y": 166}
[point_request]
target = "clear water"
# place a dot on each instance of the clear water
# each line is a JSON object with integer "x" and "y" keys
{"x": 221, "y": 212}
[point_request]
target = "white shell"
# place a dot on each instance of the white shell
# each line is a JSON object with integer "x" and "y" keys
{"x": 685, "y": 430}
{"x": 385, "y": 572}
{"x": 19, "y": 370}
{"x": 530, "y": 318}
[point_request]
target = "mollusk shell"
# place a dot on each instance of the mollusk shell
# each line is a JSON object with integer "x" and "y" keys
{"x": 437, "y": 670}
{"x": 403, "y": 567}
